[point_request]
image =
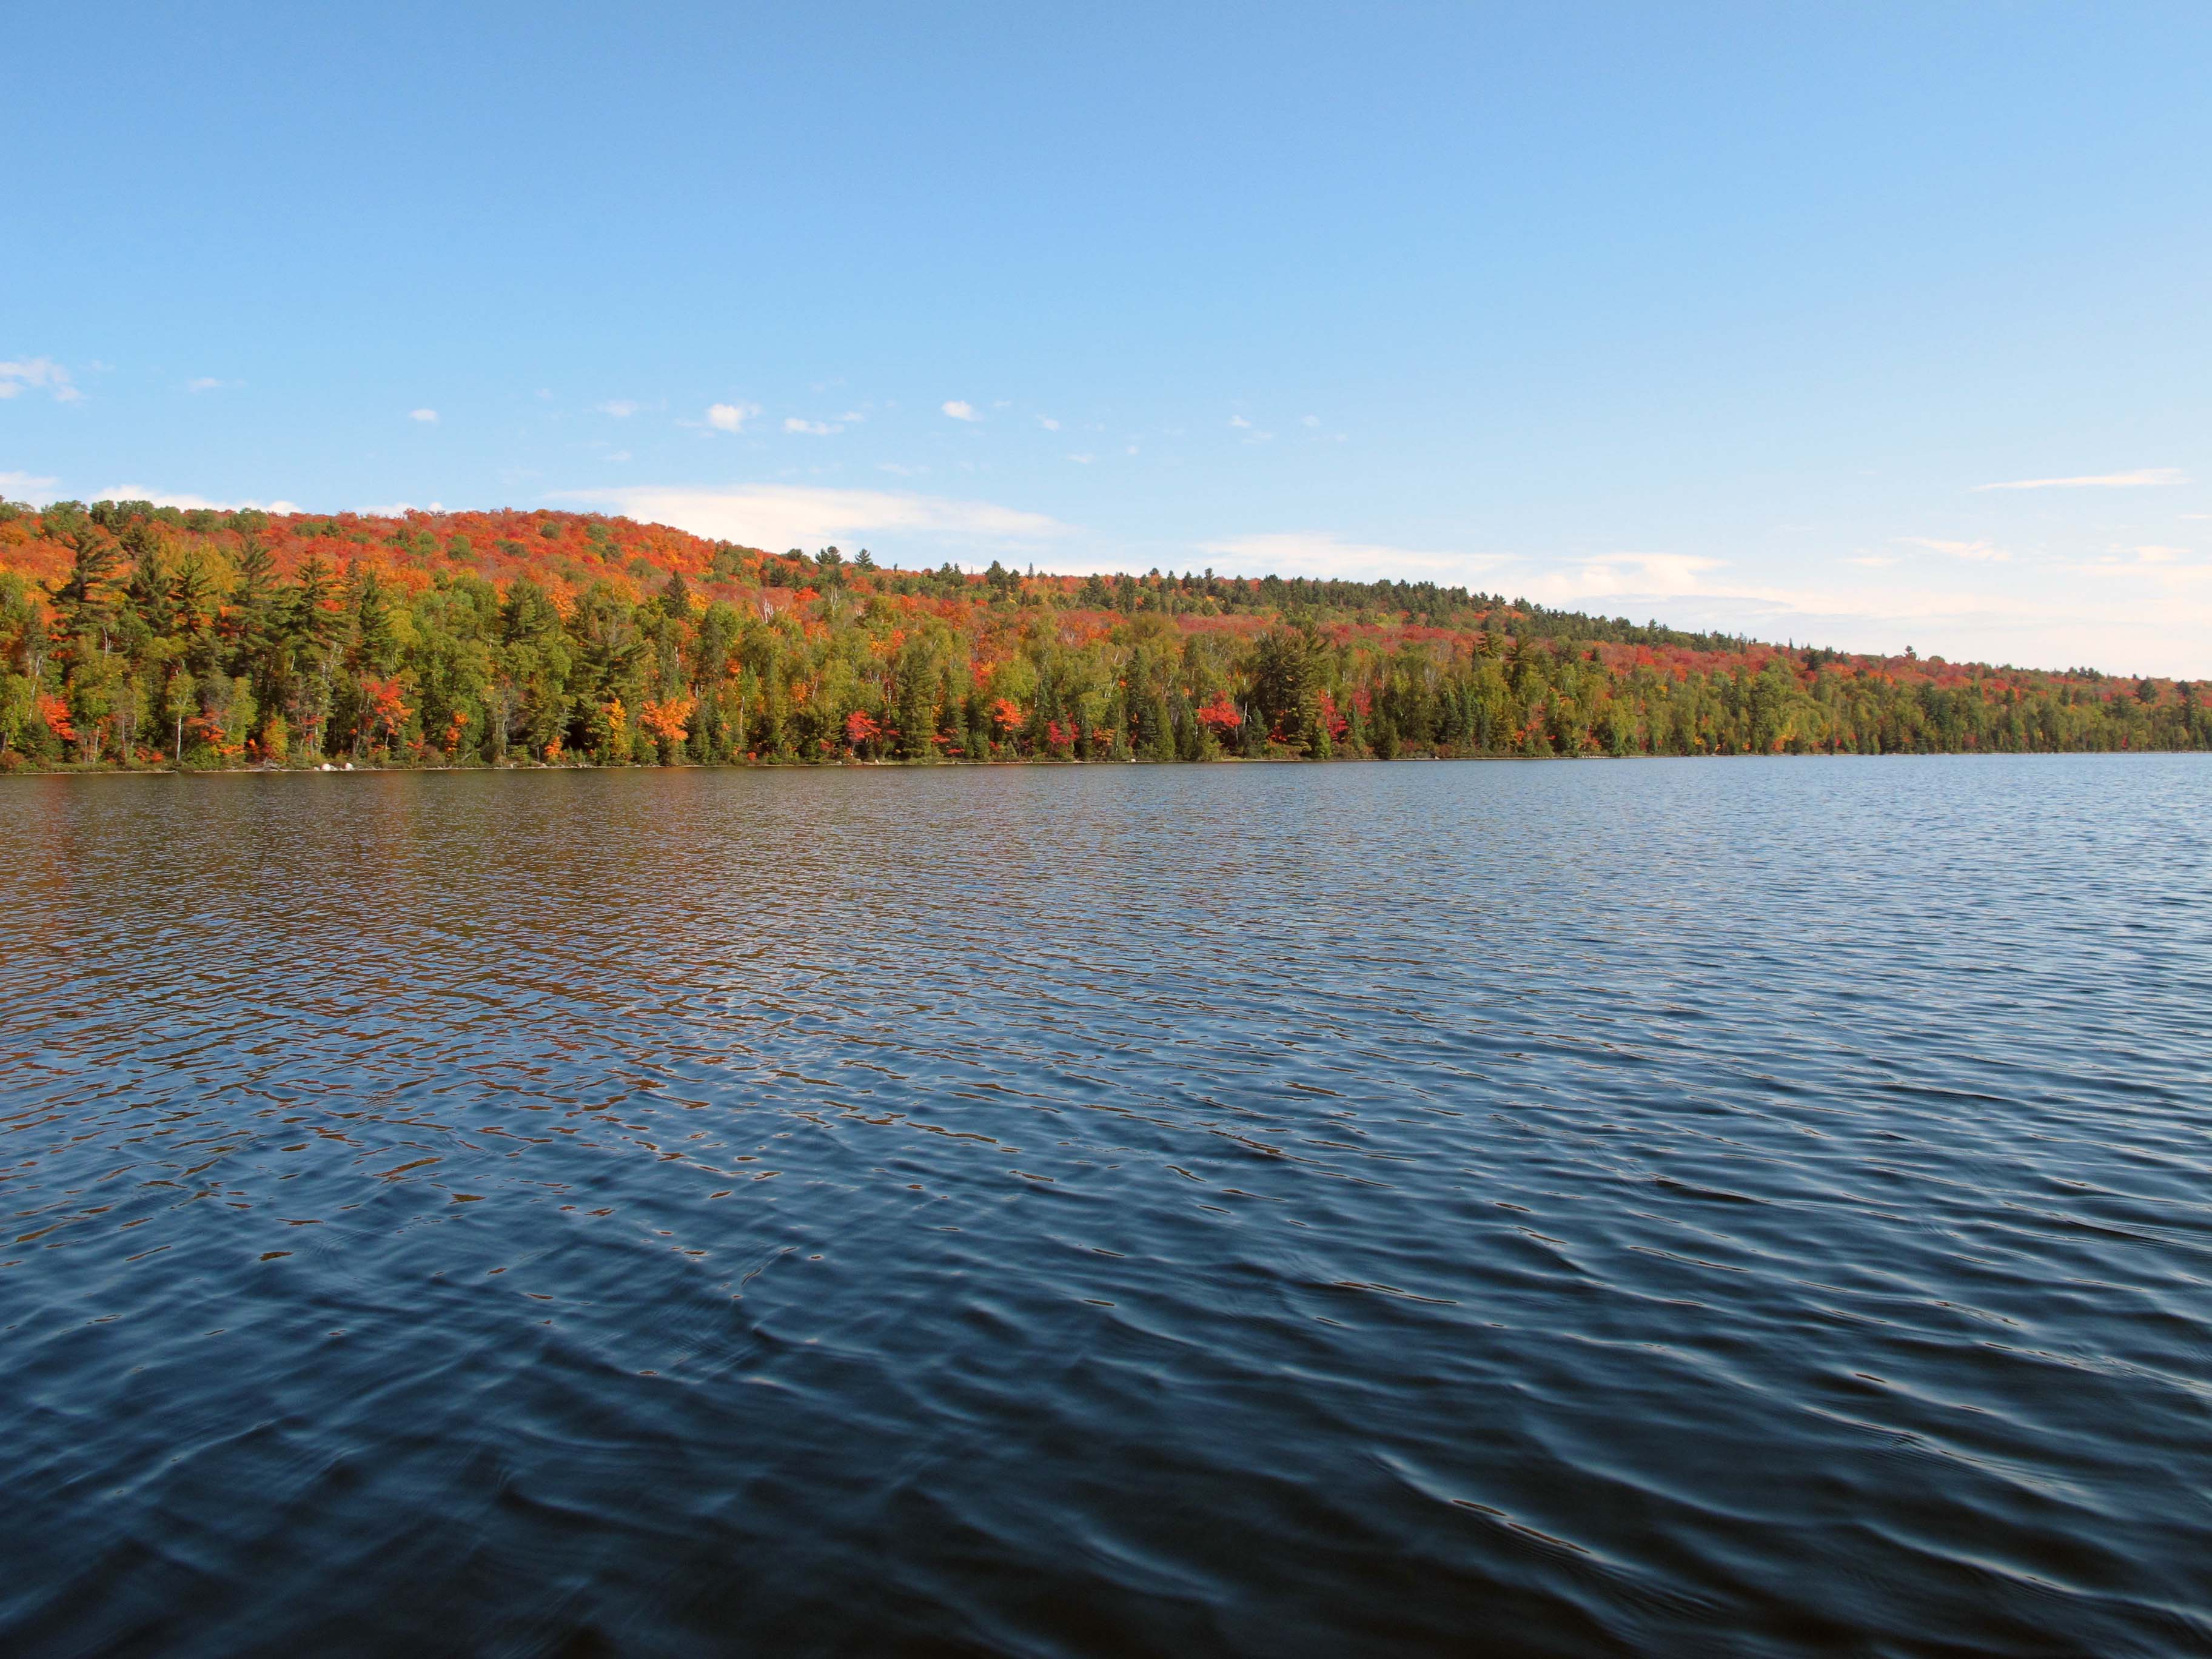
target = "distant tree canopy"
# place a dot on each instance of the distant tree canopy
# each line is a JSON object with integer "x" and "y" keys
{"x": 132, "y": 635}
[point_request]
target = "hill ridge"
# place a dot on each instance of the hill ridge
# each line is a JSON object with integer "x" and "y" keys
{"x": 485, "y": 636}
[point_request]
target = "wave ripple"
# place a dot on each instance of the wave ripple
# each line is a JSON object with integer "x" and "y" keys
{"x": 1753, "y": 1207}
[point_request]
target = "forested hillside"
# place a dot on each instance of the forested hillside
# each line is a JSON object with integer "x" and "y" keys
{"x": 131, "y": 634}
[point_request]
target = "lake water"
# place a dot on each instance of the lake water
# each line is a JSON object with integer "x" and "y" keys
{"x": 1729, "y": 1206}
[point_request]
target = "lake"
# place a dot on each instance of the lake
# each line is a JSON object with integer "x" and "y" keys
{"x": 1755, "y": 1206}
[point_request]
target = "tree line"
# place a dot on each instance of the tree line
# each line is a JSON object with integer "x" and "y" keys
{"x": 136, "y": 636}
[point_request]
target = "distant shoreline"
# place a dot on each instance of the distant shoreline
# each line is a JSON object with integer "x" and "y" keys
{"x": 134, "y": 636}
{"x": 1022, "y": 764}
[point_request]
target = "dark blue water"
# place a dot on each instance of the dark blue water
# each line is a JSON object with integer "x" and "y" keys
{"x": 1733, "y": 1207}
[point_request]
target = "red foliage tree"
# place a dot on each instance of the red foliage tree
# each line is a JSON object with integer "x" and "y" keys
{"x": 1220, "y": 716}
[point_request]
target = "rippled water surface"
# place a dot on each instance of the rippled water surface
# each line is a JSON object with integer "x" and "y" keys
{"x": 1738, "y": 1207}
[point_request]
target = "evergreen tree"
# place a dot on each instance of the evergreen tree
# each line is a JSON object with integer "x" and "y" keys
{"x": 675, "y": 597}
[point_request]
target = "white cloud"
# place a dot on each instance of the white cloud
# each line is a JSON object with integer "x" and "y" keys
{"x": 2150, "y": 615}
{"x": 2011, "y": 621}
{"x": 731, "y": 417}
{"x": 131, "y": 492}
{"x": 1321, "y": 553}
{"x": 2138, "y": 479}
{"x": 1311, "y": 420}
{"x": 2163, "y": 597}
{"x": 1610, "y": 577}
{"x": 1082, "y": 461}
{"x": 1982, "y": 552}
{"x": 209, "y": 383}
{"x": 795, "y": 515}
{"x": 2170, "y": 567}
{"x": 28, "y": 486}
{"x": 1048, "y": 423}
{"x": 397, "y": 510}
{"x": 427, "y": 416}
{"x": 960, "y": 411}
{"x": 815, "y": 428}
{"x": 38, "y": 372}
{"x": 621, "y": 408}
{"x": 902, "y": 469}
{"x": 1239, "y": 422}
{"x": 1598, "y": 580}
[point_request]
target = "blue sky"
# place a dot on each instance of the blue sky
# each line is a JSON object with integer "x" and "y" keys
{"x": 1868, "y": 326}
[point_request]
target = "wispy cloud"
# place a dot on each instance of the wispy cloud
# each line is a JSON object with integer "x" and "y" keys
{"x": 902, "y": 469}
{"x": 2140, "y": 478}
{"x": 1239, "y": 422}
{"x": 813, "y": 428}
{"x": 398, "y": 509}
{"x": 1048, "y": 423}
{"x": 38, "y": 373}
{"x": 1982, "y": 552}
{"x": 793, "y": 515}
{"x": 2175, "y": 573}
{"x": 621, "y": 408}
{"x": 960, "y": 411}
{"x": 1323, "y": 553}
{"x": 1610, "y": 577}
{"x": 731, "y": 417}
{"x": 2155, "y": 615}
{"x": 27, "y": 486}
{"x": 427, "y": 416}
{"x": 209, "y": 383}
{"x": 1602, "y": 577}
{"x": 1309, "y": 419}
{"x": 2007, "y": 622}
{"x": 133, "y": 492}
{"x": 1082, "y": 461}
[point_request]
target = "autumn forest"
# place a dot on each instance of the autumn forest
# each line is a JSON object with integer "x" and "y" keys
{"x": 136, "y": 636}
